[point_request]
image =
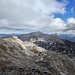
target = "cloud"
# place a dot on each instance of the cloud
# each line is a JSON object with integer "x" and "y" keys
{"x": 70, "y": 24}
{"x": 30, "y": 15}
{"x": 72, "y": 9}
{"x": 71, "y": 20}
{"x": 57, "y": 25}
{"x": 50, "y": 6}
{"x": 4, "y": 22}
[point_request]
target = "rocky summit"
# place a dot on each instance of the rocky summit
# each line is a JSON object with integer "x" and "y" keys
{"x": 18, "y": 57}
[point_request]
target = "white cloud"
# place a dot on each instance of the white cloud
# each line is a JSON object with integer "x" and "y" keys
{"x": 32, "y": 14}
{"x": 59, "y": 26}
{"x": 4, "y": 23}
{"x": 70, "y": 24}
{"x": 71, "y": 20}
{"x": 58, "y": 23}
{"x": 50, "y": 6}
{"x": 72, "y": 9}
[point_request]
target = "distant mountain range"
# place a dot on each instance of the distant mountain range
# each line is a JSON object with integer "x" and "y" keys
{"x": 69, "y": 37}
{"x": 5, "y": 35}
{"x": 37, "y": 35}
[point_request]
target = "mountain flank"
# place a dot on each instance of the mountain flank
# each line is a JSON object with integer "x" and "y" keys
{"x": 19, "y": 57}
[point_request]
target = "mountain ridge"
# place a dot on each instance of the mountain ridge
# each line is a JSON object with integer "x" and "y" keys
{"x": 27, "y": 58}
{"x": 50, "y": 42}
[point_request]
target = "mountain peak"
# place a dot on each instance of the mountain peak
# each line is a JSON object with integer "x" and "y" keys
{"x": 39, "y": 32}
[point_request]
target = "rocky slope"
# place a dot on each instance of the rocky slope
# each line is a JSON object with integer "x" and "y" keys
{"x": 64, "y": 47}
{"x": 50, "y": 42}
{"x": 26, "y": 58}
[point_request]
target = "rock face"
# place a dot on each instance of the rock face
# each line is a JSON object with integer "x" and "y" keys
{"x": 26, "y": 58}
{"x": 51, "y": 42}
{"x": 64, "y": 47}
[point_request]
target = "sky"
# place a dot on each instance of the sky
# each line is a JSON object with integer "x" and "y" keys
{"x": 50, "y": 16}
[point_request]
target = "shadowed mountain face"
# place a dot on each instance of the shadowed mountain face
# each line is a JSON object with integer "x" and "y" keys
{"x": 65, "y": 47}
{"x": 69, "y": 37}
{"x": 72, "y": 39}
{"x": 26, "y": 58}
